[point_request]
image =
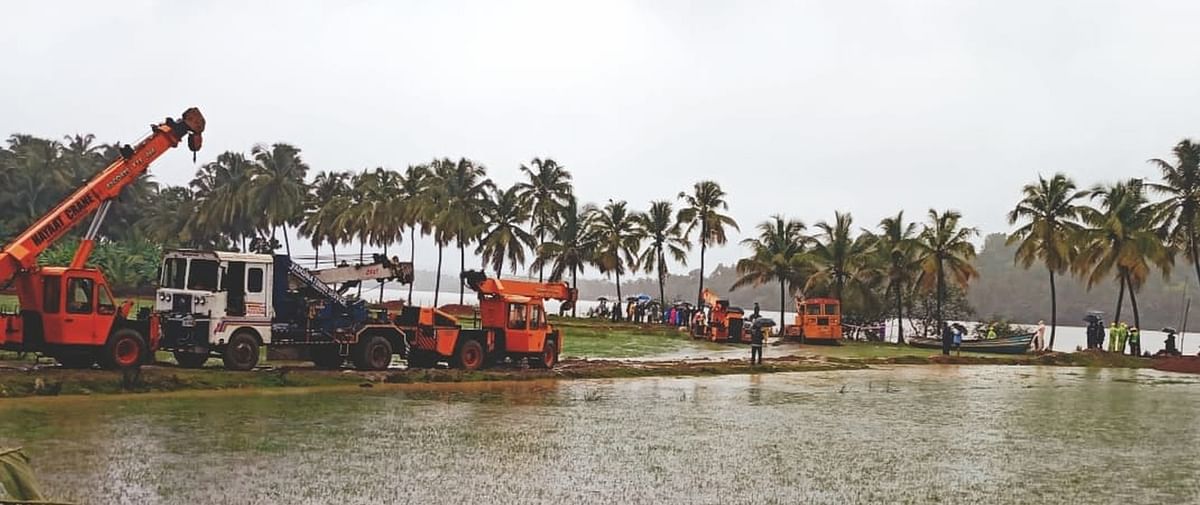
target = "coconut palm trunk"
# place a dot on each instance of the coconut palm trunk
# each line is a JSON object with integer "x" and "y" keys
{"x": 941, "y": 294}
{"x": 383, "y": 282}
{"x": 437, "y": 283}
{"x": 1053, "y": 311}
{"x": 620, "y": 301}
{"x": 662, "y": 280}
{"x": 1137, "y": 321}
{"x": 1120, "y": 298}
{"x": 703, "y": 248}
{"x": 900, "y": 313}
{"x": 412, "y": 257}
{"x": 317, "y": 256}
{"x": 782, "y": 305}
{"x": 287, "y": 243}
{"x": 462, "y": 267}
{"x": 362, "y": 244}
{"x": 575, "y": 286}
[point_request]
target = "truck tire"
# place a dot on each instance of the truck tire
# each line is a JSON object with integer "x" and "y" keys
{"x": 76, "y": 360}
{"x": 241, "y": 353}
{"x": 327, "y": 357}
{"x": 125, "y": 349}
{"x": 421, "y": 359}
{"x": 548, "y": 358}
{"x": 374, "y": 352}
{"x": 470, "y": 355}
{"x": 190, "y": 359}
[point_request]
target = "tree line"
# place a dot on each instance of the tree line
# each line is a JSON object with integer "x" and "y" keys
{"x": 1109, "y": 232}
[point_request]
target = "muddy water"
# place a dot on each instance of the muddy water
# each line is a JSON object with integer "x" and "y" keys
{"x": 901, "y": 435}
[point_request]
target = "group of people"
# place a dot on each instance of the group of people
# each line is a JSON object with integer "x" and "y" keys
{"x": 1120, "y": 337}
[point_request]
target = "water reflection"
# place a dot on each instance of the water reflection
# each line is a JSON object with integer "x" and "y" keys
{"x": 907, "y": 434}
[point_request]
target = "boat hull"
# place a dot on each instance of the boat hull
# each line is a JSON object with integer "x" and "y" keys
{"x": 1016, "y": 344}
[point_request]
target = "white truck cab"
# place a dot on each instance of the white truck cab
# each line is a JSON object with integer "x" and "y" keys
{"x": 206, "y": 297}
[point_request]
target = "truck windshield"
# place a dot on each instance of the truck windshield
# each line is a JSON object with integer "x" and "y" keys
{"x": 174, "y": 270}
{"x": 203, "y": 276}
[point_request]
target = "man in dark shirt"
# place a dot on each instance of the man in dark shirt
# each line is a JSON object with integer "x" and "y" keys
{"x": 756, "y": 344}
{"x": 947, "y": 339}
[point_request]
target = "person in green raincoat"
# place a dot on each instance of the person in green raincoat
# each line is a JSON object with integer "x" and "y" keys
{"x": 991, "y": 334}
{"x": 1122, "y": 338}
{"x": 1113, "y": 332}
{"x": 1135, "y": 342}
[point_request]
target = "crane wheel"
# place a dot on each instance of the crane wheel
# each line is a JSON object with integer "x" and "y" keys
{"x": 469, "y": 356}
{"x": 241, "y": 353}
{"x": 327, "y": 357}
{"x": 190, "y": 359}
{"x": 548, "y": 358}
{"x": 374, "y": 352}
{"x": 125, "y": 349}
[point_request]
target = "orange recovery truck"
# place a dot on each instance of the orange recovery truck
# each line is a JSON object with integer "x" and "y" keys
{"x": 725, "y": 323}
{"x": 512, "y": 325}
{"x": 818, "y": 321}
{"x": 69, "y": 313}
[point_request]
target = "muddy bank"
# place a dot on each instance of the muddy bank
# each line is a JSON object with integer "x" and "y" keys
{"x": 54, "y": 381}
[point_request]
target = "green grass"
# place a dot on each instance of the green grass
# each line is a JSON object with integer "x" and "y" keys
{"x": 604, "y": 339}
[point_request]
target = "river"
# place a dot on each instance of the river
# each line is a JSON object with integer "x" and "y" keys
{"x": 925, "y": 434}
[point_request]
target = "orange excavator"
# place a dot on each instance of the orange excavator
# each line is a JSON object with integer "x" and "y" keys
{"x": 68, "y": 313}
{"x": 512, "y": 316}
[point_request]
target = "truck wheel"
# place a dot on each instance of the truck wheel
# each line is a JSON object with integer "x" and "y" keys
{"x": 125, "y": 349}
{"x": 241, "y": 353}
{"x": 549, "y": 356}
{"x": 373, "y": 353}
{"x": 421, "y": 359}
{"x": 469, "y": 356}
{"x": 327, "y": 357}
{"x": 76, "y": 360}
{"x": 190, "y": 359}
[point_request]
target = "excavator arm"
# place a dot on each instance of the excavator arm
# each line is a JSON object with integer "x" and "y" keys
{"x": 487, "y": 286}
{"x": 97, "y": 195}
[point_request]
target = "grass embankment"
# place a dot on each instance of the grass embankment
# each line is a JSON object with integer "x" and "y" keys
{"x": 595, "y": 338}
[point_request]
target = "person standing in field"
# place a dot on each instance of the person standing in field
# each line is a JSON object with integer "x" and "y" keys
{"x": 1122, "y": 337}
{"x": 947, "y": 338}
{"x": 1113, "y": 331}
{"x": 991, "y": 333}
{"x": 756, "y": 344}
{"x": 1135, "y": 342}
{"x": 1038, "y": 336}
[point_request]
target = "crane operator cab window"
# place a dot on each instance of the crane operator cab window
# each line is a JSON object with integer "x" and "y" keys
{"x": 538, "y": 321}
{"x": 516, "y": 316}
{"x": 79, "y": 295}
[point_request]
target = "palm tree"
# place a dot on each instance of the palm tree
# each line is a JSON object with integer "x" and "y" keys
{"x": 503, "y": 237}
{"x": 545, "y": 193}
{"x": 839, "y": 257}
{"x": 944, "y": 247}
{"x": 223, "y": 188}
{"x": 325, "y": 202}
{"x": 571, "y": 246}
{"x": 278, "y": 187}
{"x": 463, "y": 186}
{"x": 1181, "y": 185}
{"x": 778, "y": 254}
{"x": 413, "y": 186}
{"x": 1051, "y": 231}
{"x": 664, "y": 237}
{"x": 617, "y": 238}
{"x": 1125, "y": 235}
{"x": 703, "y": 210}
{"x": 894, "y": 246}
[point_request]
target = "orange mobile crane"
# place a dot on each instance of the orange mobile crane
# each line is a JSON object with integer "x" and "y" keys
{"x": 512, "y": 317}
{"x": 68, "y": 312}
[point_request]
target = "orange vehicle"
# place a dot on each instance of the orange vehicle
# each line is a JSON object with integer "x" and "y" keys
{"x": 725, "y": 323}
{"x": 68, "y": 313}
{"x": 818, "y": 320}
{"x": 512, "y": 325}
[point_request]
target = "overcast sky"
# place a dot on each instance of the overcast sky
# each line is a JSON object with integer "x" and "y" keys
{"x": 799, "y": 108}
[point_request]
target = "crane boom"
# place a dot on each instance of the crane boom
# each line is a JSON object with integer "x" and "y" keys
{"x": 488, "y": 286}
{"x": 97, "y": 194}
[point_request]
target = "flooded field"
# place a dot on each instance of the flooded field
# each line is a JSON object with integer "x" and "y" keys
{"x": 903, "y": 435}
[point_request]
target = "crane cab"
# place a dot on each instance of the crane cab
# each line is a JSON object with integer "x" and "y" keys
{"x": 71, "y": 315}
{"x": 818, "y": 320}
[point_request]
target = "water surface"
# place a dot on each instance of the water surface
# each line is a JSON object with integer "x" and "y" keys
{"x": 902, "y": 435}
